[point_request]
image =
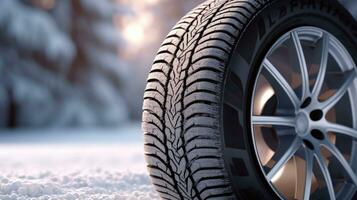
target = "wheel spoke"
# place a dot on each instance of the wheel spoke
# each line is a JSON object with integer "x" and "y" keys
{"x": 326, "y": 175}
{"x": 325, "y": 40}
{"x": 273, "y": 120}
{"x": 285, "y": 132}
{"x": 338, "y": 155}
{"x": 290, "y": 152}
{"x": 282, "y": 82}
{"x": 308, "y": 173}
{"x": 332, "y": 101}
{"x": 337, "y": 128}
{"x": 302, "y": 64}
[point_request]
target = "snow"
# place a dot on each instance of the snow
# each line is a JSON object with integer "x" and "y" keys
{"x": 74, "y": 164}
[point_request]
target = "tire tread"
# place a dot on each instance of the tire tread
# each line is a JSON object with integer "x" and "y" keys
{"x": 181, "y": 108}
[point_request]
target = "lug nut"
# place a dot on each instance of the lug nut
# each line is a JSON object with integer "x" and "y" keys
{"x": 316, "y": 115}
{"x": 317, "y": 134}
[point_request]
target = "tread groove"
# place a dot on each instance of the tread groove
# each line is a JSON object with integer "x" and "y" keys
{"x": 181, "y": 111}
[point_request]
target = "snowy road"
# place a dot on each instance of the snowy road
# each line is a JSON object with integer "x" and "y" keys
{"x": 69, "y": 164}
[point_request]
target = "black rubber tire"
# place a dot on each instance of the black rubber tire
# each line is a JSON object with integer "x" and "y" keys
{"x": 197, "y": 143}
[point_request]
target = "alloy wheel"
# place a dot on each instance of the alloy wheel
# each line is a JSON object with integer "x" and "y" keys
{"x": 303, "y": 116}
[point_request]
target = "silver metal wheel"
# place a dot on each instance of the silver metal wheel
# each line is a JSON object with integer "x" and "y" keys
{"x": 303, "y": 116}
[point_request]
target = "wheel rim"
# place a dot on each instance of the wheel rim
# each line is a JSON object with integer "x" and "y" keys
{"x": 303, "y": 116}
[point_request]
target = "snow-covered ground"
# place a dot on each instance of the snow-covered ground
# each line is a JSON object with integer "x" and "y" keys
{"x": 74, "y": 164}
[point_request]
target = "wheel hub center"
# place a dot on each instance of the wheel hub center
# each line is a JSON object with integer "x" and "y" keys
{"x": 301, "y": 124}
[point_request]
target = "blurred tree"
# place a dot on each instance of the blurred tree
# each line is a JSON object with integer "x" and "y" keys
{"x": 59, "y": 64}
{"x": 97, "y": 67}
{"x": 161, "y": 16}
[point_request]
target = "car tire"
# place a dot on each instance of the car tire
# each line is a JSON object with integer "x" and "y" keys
{"x": 198, "y": 99}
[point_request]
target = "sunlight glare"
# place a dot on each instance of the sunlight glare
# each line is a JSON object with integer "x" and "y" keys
{"x": 138, "y": 29}
{"x": 133, "y": 33}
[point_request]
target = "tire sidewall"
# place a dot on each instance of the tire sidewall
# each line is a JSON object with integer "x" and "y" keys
{"x": 273, "y": 21}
